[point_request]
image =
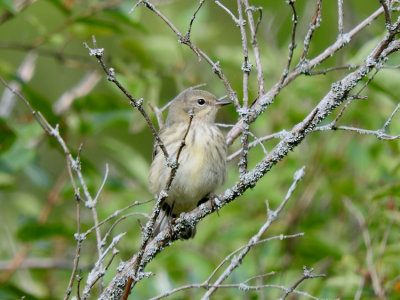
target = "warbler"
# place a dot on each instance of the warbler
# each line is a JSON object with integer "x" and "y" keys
{"x": 202, "y": 159}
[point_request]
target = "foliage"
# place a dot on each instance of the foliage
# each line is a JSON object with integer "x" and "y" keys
{"x": 37, "y": 205}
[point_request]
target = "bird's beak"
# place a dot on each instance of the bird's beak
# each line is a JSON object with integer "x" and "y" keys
{"x": 222, "y": 102}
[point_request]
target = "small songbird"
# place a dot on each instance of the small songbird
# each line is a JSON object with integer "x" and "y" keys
{"x": 202, "y": 161}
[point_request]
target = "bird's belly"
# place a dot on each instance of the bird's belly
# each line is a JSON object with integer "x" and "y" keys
{"x": 201, "y": 170}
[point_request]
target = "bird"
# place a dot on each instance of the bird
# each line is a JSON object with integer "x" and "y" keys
{"x": 202, "y": 159}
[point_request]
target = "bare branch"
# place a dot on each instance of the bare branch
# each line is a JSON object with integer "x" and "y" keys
{"x": 387, "y": 123}
{"x": 260, "y": 105}
{"x": 388, "y": 18}
{"x": 340, "y": 17}
{"x": 236, "y": 20}
{"x": 292, "y": 44}
{"x": 272, "y": 216}
{"x": 246, "y": 67}
{"x": 307, "y": 274}
{"x": 192, "y": 19}
{"x": 327, "y": 70}
{"x": 183, "y": 39}
{"x": 254, "y": 43}
{"x": 78, "y": 247}
{"x": 147, "y": 234}
{"x": 98, "y": 53}
{"x": 259, "y": 141}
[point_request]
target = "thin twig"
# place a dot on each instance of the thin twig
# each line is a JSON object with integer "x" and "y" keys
{"x": 315, "y": 23}
{"x": 340, "y": 17}
{"x": 254, "y": 43}
{"x": 260, "y": 105}
{"x": 246, "y": 66}
{"x": 78, "y": 247}
{"x": 327, "y": 70}
{"x": 115, "y": 214}
{"x": 271, "y": 217}
{"x": 258, "y": 141}
{"x": 307, "y": 274}
{"x": 149, "y": 229}
{"x": 192, "y": 19}
{"x": 98, "y": 53}
{"x": 378, "y": 133}
{"x": 228, "y": 257}
{"x": 292, "y": 44}
{"x": 183, "y": 39}
{"x": 236, "y": 20}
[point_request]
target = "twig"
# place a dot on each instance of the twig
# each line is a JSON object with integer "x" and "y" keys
{"x": 254, "y": 43}
{"x": 378, "y": 133}
{"x": 388, "y": 18}
{"x": 307, "y": 274}
{"x": 148, "y": 231}
{"x": 258, "y": 141}
{"x": 192, "y": 19}
{"x": 236, "y": 20}
{"x": 272, "y": 216}
{"x": 228, "y": 257}
{"x": 107, "y": 234}
{"x": 115, "y": 214}
{"x": 340, "y": 17}
{"x": 246, "y": 66}
{"x": 98, "y": 270}
{"x": 327, "y": 70}
{"x": 335, "y": 97}
{"x": 315, "y": 23}
{"x": 387, "y": 123}
{"x": 183, "y": 39}
{"x": 241, "y": 286}
{"x": 292, "y": 44}
{"x": 78, "y": 247}
{"x": 101, "y": 186}
{"x": 73, "y": 165}
{"x": 98, "y": 53}
{"x": 260, "y": 105}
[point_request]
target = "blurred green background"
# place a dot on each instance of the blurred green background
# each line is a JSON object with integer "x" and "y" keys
{"x": 37, "y": 206}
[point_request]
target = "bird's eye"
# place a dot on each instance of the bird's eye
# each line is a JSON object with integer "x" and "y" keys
{"x": 201, "y": 101}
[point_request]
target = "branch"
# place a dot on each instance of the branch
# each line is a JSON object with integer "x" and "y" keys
{"x": 98, "y": 53}
{"x": 291, "y": 139}
{"x": 261, "y": 104}
{"x": 254, "y": 43}
{"x": 307, "y": 274}
{"x": 184, "y": 40}
{"x": 147, "y": 233}
{"x": 272, "y": 216}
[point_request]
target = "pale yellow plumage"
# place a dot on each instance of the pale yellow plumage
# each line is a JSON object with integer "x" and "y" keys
{"x": 202, "y": 162}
